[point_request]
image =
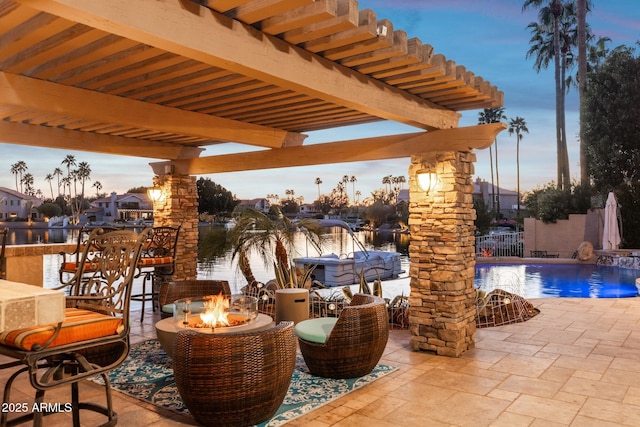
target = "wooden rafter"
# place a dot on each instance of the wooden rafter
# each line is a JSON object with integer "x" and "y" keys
{"x": 172, "y": 28}
{"x": 377, "y": 148}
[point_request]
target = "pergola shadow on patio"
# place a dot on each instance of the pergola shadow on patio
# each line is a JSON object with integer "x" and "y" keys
{"x": 164, "y": 79}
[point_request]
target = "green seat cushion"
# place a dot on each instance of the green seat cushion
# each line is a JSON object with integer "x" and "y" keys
{"x": 196, "y": 307}
{"x": 316, "y": 330}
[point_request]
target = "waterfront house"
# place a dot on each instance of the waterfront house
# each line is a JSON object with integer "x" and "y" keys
{"x": 17, "y": 206}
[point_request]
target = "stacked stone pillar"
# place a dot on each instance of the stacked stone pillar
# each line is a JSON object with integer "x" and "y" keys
{"x": 179, "y": 207}
{"x": 442, "y": 301}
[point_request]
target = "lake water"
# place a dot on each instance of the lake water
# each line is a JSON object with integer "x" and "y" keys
{"x": 24, "y": 235}
{"x": 225, "y": 268}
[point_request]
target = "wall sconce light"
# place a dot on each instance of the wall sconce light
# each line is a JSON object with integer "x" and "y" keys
{"x": 427, "y": 179}
{"x": 155, "y": 193}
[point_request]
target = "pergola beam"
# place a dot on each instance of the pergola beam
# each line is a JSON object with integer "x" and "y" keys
{"x": 65, "y": 139}
{"x": 187, "y": 29}
{"x": 377, "y": 148}
{"x": 51, "y": 98}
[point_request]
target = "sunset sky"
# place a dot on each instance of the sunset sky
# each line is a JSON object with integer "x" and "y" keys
{"x": 488, "y": 37}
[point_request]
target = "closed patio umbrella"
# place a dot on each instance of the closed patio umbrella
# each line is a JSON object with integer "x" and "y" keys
{"x": 611, "y": 232}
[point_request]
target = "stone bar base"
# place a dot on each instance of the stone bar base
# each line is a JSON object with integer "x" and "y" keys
{"x": 442, "y": 301}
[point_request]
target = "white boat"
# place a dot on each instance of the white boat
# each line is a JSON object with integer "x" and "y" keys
{"x": 345, "y": 269}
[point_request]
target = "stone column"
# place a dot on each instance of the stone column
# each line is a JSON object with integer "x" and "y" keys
{"x": 179, "y": 207}
{"x": 442, "y": 301}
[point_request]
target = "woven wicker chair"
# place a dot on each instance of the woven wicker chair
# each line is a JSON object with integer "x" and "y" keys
{"x": 93, "y": 338}
{"x": 354, "y": 345}
{"x": 171, "y": 291}
{"x": 234, "y": 379}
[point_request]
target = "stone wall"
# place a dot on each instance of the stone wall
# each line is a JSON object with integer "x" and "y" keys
{"x": 179, "y": 207}
{"x": 442, "y": 301}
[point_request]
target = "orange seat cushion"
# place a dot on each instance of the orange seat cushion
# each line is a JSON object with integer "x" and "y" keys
{"x": 71, "y": 267}
{"x": 79, "y": 325}
{"x": 155, "y": 261}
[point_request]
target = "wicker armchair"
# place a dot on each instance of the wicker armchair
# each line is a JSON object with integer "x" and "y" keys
{"x": 354, "y": 345}
{"x": 171, "y": 291}
{"x": 234, "y": 379}
{"x": 93, "y": 338}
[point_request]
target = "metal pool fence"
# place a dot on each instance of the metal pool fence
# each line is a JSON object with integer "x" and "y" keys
{"x": 500, "y": 244}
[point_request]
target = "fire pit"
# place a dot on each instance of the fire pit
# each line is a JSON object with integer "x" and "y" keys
{"x": 221, "y": 315}
{"x": 213, "y": 312}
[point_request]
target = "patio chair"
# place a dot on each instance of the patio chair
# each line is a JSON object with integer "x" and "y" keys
{"x": 157, "y": 264}
{"x": 171, "y": 291}
{"x": 70, "y": 260}
{"x": 234, "y": 379}
{"x": 93, "y": 338}
{"x": 348, "y": 346}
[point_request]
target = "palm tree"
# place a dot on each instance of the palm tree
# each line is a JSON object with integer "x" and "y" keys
{"x": 402, "y": 179}
{"x": 58, "y": 173}
{"x": 69, "y": 161}
{"x": 84, "y": 174}
{"x": 553, "y": 39}
{"x": 290, "y": 193}
{"x": 387, "y": 181}
{"x": 318, "y": 181}
{"x": 582, "y": 80}
{"x": 49, "y": 178}
{"x": 486, "y": 116}
{"x": 272, "y": 237}
{"x": 98, "y": 186}
{"x": 18, "y": 169}
{"x": 27, "y": 180}
{"x": 517, "y": 126}
{"x": 353, "y": 180}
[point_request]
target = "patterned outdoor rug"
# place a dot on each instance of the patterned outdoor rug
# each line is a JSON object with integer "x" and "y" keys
{"x": 147, "y": 375}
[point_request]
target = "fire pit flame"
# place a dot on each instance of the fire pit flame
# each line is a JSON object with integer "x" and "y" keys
{"x": 216, "y": 311}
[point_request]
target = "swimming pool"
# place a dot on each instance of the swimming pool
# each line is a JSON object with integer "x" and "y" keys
{"x": 558, "y": 280}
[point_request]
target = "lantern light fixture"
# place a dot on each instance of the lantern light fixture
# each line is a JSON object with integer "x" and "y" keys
{"x": 427, "y": 179}
{"x": 155, "y": 193}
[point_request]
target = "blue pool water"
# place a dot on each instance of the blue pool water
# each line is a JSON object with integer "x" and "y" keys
{"x": 558, "y": 280}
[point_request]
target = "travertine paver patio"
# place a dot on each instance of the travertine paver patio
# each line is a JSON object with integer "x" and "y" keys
{"x": 577, "y": 363}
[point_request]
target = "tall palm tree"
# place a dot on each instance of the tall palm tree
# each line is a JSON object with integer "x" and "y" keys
{"x": 18, "y": 170}
{"x": 69, "y": 160}
{"x": 84, "y": 174}
{"x": 402, "y": 179}
{"x": 98, "y": 186}
{"x": 58, "y": 173}
{"x": 485, "y": 117}
{"x": 27, "y": 181}
{"x": 517, "y": 126}
{"x": 352, "y": 180}
{"x": 582, "y": 80}
{"x": 553, "y": 39}
{"x": 386, "y": 181}
{"x": 49, "y": 178}
{"x": 318, "y": 181}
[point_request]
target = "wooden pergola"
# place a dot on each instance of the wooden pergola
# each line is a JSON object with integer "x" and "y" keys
{"x": 165, "y": 79}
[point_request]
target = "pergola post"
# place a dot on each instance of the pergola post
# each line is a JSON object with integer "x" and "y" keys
{"x": 442, "y": 301}
{"x": 178, "y": 206}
